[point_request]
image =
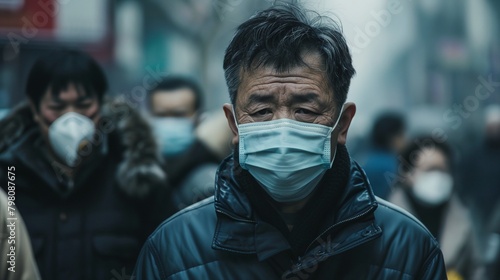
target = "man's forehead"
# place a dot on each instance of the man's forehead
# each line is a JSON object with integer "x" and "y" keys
{"x": 182, "y": 98}
{"x": 68, "y": 93}
{"x": 179, "y": 95}
{"x": 301, "y": 77}
{"x": 312, "y": 64}
{"x": 311, "y": 60}
{"x": 429, "y": 157}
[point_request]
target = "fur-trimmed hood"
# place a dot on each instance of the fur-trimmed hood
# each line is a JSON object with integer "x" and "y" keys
{"x": 138, "y": 173}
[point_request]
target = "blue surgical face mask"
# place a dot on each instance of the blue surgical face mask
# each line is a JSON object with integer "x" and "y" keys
{"x": 174, "y": 135}
{"x": 288, "y": 158}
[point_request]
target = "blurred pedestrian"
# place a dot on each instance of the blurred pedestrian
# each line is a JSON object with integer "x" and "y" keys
{"x": 490, "y": 259}
{"x": 289, "y": 202}
{"x": 479, "y": 171}
{"x": 387, "y": 140}
{"x": 190, "y": 164}
{"x": 89, "y": 183}
{"x": 426, "y": 188}
{"x": 16, "y": 257}
{"x": 479, "y": 180}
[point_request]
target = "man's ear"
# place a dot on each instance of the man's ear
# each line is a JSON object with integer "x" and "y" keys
{"x": 228, "y": 111}
{"x": 345, "y": 122}
{"x": 34, "y": 111}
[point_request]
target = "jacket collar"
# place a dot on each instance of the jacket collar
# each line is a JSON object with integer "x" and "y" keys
{"x": 240, "y": 230}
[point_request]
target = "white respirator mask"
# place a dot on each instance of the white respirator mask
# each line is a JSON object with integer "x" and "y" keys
{"x": 433, "y": 187}
{"x": 68, "y": 134}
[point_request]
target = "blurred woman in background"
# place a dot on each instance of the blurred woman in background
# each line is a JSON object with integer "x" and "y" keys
{"x": 425, "y": 188}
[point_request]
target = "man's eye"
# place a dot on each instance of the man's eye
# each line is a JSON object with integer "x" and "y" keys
{"x": 262, "y": 112}
{"x": 305, "y": 111}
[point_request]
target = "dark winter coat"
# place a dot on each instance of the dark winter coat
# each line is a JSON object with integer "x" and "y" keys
{"x": 223, "y": 238}
{"x": 95, "y": 228}
{"x": 191, "y": 174}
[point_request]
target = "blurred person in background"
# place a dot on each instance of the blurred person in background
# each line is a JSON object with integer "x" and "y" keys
{"x": 480, "y": 170}
{"x": 480, "y": 190}
{"x": 290, "y": 203}
{"x": 175, "y": 104}
{"x": 387, "y": 140}
{"x": 17, "y": 264}
{"x": 491, "y": 258}
{"x": 89, "y": 183}
{"x": 426, "y": 188}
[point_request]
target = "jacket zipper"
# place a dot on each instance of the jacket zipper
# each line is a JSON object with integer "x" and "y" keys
{"x": 325, "y": 231}
{"x": 298, "y": 265}
{"x": 340, "y": 223}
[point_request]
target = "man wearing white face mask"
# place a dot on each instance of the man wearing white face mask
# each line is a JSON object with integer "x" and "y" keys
{"x": 289, "y": 202}
{"x": 175, "y": 105}
{"x": 426, "y": 189}
{"x": 88, "y": 179}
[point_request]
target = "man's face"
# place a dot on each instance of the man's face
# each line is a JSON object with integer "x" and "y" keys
{"x": 398, "y": 142}
{"x": 302, "y": 94}
{"x": 179, "y": 103}
{"x": 52, "y": 106}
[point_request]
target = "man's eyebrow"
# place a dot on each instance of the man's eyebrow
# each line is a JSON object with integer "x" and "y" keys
{"x": 81, "y": 98}
{"x": 261, "y": 98}
{"x": 304, "y": 97}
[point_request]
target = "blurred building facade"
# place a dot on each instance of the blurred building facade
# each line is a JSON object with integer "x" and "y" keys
{"x": 135, "y": 41}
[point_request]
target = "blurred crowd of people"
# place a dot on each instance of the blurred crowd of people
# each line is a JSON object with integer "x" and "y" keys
{"x": 95, "y": 177}
{"x": 455, "y": 198}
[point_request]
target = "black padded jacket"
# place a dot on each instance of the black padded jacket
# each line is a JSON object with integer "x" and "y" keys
{"x": 221, "y": 237}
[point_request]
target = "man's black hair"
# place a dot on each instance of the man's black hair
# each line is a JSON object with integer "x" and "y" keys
{"x": 417, "y": 145}
{"x": 387, "y": 126}
{"x": 58, "y": 69}
{"x": 278, "y": 36}
{"x": 171, "y": 83}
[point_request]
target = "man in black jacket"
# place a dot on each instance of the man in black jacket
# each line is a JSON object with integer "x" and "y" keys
{"x": 88, "y": 179}
{"x": 290, "y": 203}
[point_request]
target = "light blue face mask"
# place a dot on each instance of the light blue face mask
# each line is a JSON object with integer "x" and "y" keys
{"x": 287, "y": 157}
{"x": 174, "y": 135}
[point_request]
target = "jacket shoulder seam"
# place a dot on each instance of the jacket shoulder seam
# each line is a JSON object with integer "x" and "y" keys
{"x": 405, "y": 213}
{"x": 185, "y": 211}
